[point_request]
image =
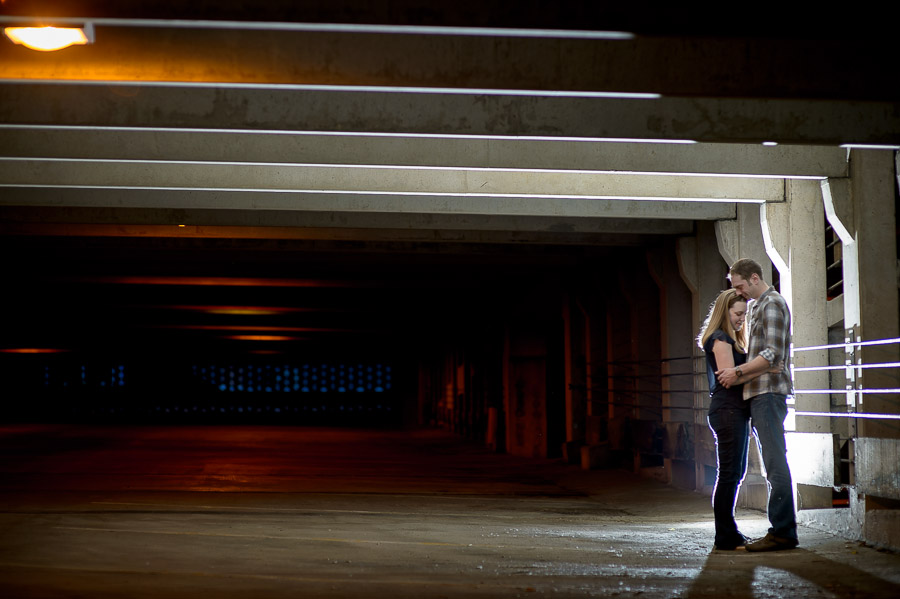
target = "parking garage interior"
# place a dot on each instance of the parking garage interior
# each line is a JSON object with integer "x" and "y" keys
{"x": 402, "y": 299}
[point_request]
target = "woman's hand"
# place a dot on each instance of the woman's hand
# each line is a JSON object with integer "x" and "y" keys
{"x": 727, "y": 377}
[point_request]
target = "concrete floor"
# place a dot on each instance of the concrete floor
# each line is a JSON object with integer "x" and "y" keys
{"x": 98, "y": 512}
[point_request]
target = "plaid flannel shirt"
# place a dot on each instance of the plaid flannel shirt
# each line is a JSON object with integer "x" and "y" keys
{"x": 769, "y": 320}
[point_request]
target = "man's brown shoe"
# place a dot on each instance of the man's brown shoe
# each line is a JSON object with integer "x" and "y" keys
{"x": 772, "y": 543}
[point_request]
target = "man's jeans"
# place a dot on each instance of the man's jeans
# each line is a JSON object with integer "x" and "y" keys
{"x": 731, "y": 428}
{"x": 767, "y": 413}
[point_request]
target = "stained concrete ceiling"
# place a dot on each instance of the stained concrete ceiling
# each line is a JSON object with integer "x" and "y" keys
{"x": 405, "y": 147}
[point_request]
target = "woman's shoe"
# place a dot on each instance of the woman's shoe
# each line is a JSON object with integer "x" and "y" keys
{"x": 740, "y": 542}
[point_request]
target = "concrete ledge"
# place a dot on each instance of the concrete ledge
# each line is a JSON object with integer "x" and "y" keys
{"x": 876, "y": 467}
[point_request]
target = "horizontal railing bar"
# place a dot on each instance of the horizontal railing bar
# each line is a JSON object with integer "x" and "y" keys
{"x": 849, "y": 344}
{"x": 845, "y": 366}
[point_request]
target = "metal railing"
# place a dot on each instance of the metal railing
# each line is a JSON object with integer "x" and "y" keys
{"x": 853, "y": 390}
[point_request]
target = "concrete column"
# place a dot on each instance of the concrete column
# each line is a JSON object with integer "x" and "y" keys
{"x": 676, "y": 342}
{"x": 794, "y": 236}
{"x": 636, "y": 367}
{"x": 839, "y": 211}
{"x": 642, "y": 298}
{"x": 526, "y": 389}
{"x": 808, "y": 300}
{"x": 747, "y": 237}
{"x": 596, "y": 451}
{"x": 877, "y": 449}
{"x": 574, "y": 331}
{"x": 775, "y": 221}
{"x": 743, "y": 238}
{"x": 872, "y": 191}
{"x": 703, "y": 271}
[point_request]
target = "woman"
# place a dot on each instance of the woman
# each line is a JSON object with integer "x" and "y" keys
{"x": 722, "y": 338}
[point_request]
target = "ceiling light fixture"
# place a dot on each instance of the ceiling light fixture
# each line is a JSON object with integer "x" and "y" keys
{"x": 32, "y": 350}
{"x": 48, "y": 39}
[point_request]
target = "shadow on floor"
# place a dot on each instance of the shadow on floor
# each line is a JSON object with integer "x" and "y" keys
{"x": 739, "y": 574}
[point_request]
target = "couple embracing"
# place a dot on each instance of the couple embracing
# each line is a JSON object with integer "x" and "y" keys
{"x": 749, "y": 381}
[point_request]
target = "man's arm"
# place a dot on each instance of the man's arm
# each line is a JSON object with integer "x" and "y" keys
{"x": 752, "y": 369}
{"x": 773, "y": 353}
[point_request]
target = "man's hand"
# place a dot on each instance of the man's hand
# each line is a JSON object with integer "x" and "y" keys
{"x": 727, "y": 377}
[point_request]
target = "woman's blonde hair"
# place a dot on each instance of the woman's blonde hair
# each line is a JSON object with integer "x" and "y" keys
{"x": 718, "y": 319}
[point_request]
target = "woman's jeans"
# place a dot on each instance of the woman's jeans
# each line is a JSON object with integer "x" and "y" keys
{"x": 767, "y": 414}
{"x": 731, "y": 428}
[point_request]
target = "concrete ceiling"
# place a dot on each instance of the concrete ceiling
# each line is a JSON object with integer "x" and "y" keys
{"x": 444, "y": 124}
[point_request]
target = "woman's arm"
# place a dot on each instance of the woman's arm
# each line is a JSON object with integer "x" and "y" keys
{"x": 722, "y": 352}
{"x": 755, "y": 368}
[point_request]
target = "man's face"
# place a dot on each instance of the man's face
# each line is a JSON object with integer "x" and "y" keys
{"x": 746, "y": 288}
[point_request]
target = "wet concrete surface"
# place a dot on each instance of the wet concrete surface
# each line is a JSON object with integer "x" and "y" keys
{"x": 88, "y": 511}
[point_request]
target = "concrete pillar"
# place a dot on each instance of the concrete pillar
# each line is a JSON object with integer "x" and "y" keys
{"x": 575, "y": 370}
{"x": 872, "y": 192}
{"x": 676, "y": 343}
{"x": 775, "y": 222}
{"x": 596, "y": 452}
{"x": 845, "y": 318}
{"x": 808, "y": 301}
{"x": 703, "y": 270}
{"x": 794, "y": 236}
{"x": 525, "y": 365}
{"x": 642, "y": 298}
{"x": 877, "y": 450}
{"x": 743, "y": 238}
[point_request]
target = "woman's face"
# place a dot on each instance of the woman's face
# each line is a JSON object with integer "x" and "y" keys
{"x": 736, "y": 313}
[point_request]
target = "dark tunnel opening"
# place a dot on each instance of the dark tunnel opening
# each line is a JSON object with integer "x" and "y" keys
{"x": 473, "y": 338}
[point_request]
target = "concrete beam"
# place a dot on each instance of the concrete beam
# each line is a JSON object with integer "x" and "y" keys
{"x": 457, "y": 184}
{"x": 455, "y": 152}
{"x": 444, "y": 237}
{"x": 566, "y": 211}
{"x": 179, "y": 221}
{"x": 298, "y": 108}
{"x": 715, "y": 66}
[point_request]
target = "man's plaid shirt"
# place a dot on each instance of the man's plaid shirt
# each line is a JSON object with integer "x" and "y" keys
{"x": 770, "y": 337}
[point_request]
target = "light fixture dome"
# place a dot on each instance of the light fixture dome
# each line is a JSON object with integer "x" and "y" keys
{"x": 48, "y": 39}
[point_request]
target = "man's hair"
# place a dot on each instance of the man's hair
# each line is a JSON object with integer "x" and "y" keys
{"x": 745, "y": 268}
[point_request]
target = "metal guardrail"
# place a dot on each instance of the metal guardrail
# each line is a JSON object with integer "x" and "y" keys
{"x": 851, "y": 390}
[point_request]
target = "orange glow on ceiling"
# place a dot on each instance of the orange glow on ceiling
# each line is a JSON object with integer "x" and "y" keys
{"x": 222, "y": 281}
{"x": 263, "y": 338}
{"x": 237, "y": 310}
{"x": 270, "y": 329}
{"x": 33, "y": 350}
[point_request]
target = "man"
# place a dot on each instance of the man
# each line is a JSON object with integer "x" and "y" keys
{"x": 769, "y": 342}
